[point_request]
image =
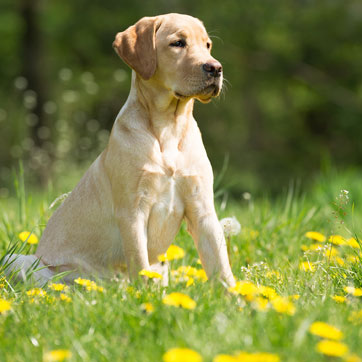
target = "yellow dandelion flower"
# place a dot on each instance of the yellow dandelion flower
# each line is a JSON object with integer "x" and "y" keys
{"x": 173, "y": 252}
{"x": 325, "y": 330}
{"x": 337, "y": 240}
{"x": 294, "y": 296}
{"x": 189, "y": 274}
{"x": 186, "y": 270}
{"x": 181, "y": 355}
{"x": 357, "y": 292}
{"x": 356, "y": 317}
{"x": 315, "y": 235}
{"x": 331, "y": 252}
{"x": 258, "y": 357}
{"x": 353, "y": 243}
{"x": 339, "y": 298}
{"x": 190, "y": 271}
{"x": 190, "y": 281}
{"x": 313, "y": 247}
{"x": 352, "y": 358}
{"x": 147, "y": 307}
{"x": 50, "y": 299}
{"x": 65, "y": 298}
{"x": 57, "y": 355}
{"x": 225, "y": 358}
{"x": 316, "y": 247}
{"x": 29, "y": 237}
{"x": 89, "y": 284}
{"x": 267, "y": 292}
{"x": 260, "y": 303}
{"x": 5, "y": 306}
{"x": 150, "y": 274}
{"x": 83, "y": 282}
{"x": 307, "y": 266}
{"x": 272, "y": 274}
{"x": 353, "y": 259}
{"x": 245, "y": 288}
{"x": 38, "y": 292}
{"x": 283, "y": 305}
{"x": 337, "y": 260}
{"x": 332, "y": 348}
{"x": 304, "y": 247}
{"x": 201, "y": 275}
{"x": 59, "y": 287}
{"x": 179, "y": 300}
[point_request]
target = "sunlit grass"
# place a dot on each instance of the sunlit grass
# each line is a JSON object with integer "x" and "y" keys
{"x": 297, "y": 297}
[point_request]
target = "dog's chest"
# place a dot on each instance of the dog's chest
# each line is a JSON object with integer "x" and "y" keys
{"x": 159, "y": 189}
{"x": 161, "y": 200}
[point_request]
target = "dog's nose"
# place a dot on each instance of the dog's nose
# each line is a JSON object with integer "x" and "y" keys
{"x": 214, "y": 68}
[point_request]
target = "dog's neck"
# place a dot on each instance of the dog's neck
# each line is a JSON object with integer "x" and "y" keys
{"x": 167, "y": 115}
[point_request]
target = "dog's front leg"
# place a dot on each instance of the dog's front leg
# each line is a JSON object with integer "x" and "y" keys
{"x": 210, "y": 242}
{"x": 134, "y": 238}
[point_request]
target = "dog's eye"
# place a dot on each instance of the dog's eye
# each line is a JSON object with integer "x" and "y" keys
{"x": 179, "y": 43}
{"x": 208, "y": 45}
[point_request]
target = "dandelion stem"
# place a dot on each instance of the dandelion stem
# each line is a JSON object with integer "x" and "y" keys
{"x": 228, "y": 246}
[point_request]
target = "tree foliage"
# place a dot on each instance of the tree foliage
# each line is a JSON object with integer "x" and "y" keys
{"x": 294, "y": 84}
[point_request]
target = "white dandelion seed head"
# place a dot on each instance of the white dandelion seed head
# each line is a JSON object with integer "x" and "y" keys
{"x": 344, "y": 195}
{"x": 246, "y": 196}
{"x": 231, "y": 226}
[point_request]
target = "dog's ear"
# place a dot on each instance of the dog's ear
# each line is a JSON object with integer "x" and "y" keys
{"x": 136, "y": 46}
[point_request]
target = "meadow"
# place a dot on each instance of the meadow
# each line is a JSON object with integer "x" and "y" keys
{"x": 297, "y": 260}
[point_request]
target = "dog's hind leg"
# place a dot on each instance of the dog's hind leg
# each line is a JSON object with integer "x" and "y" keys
{"x": 18, "y": 267}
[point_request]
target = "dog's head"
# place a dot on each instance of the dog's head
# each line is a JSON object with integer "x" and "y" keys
{"x": 173, "y": 50}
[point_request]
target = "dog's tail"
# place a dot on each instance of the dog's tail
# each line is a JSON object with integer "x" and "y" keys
{"x": 18, "y": 267}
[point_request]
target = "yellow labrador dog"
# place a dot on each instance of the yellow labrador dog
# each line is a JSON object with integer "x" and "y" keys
{"x": 129, "y": 205}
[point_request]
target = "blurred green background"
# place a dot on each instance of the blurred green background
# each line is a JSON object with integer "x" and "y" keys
{"x": 292, "y": 107}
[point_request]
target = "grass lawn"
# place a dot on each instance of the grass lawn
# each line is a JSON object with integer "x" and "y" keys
{"x": 124, "y": 322}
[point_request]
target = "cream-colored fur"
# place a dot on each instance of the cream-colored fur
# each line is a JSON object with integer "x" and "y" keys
{"x": 129, "y": 205}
